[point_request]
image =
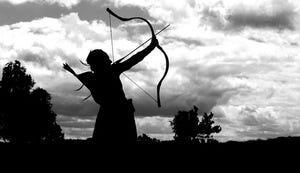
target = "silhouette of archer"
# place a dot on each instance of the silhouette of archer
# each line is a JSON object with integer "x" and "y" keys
{"x": 115, "y": 120}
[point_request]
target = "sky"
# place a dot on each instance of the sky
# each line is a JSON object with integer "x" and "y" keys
{"x": 238, "y": 59}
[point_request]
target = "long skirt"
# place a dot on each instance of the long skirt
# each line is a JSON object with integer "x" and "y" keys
{"x": 115, "y": 124}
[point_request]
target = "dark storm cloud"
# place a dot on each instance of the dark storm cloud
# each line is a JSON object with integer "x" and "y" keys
{"x": 11, "y": 13}
{"x": 280, "y": 16}
{"x": 73, "y": 105}
{"x": 93, "y": 10}
{"x": 243, "y": 17}
{"x": 29, "y": 11}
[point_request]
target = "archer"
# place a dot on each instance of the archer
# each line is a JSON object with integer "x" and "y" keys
{"x": 115, "y": 120}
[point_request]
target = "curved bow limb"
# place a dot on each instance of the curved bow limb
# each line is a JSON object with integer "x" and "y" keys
{"x": 165, "y": 74}
{"x": 132, "y": 18}
{"x": 158, "y": 46}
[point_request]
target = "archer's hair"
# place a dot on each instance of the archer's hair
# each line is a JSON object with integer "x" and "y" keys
{"x": 97, "y": 56}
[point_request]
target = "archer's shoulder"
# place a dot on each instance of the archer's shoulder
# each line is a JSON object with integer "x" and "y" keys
{"x": 116, "y": 67}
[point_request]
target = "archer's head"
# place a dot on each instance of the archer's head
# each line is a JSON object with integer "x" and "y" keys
{"x": 98, "y": 59}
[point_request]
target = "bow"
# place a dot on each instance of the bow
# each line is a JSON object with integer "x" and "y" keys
{"x": 158, "y": 46}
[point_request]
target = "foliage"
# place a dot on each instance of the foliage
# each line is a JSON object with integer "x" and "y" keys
{"x": 206, "y": 128}
{"x": 25, "y": 113}
{"x": 144, "y": 139}
{"x": 185, "y": 125}
{"x": 188, "y": 128}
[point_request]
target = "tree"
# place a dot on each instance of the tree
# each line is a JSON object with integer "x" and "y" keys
{"x": 25, "y": 113}
{"x": 188, "y": 128}
{"x": 144, "y": 139}
{"x": 185, "y": 125}
{"x": 206, "y": 128}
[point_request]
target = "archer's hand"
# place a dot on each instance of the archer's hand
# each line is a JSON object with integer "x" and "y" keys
{"x": 154, "y": 41}
{"x": 68, "y": 68}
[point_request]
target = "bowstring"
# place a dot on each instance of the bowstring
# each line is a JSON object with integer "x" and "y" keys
{"x": 140, "y": 87}
{"x": 112, "y": 50}
{"x": 111, "y": 39}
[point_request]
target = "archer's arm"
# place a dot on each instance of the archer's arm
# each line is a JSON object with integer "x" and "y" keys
{"x": 84, "y": 78}
{"x": 138, "y": 57}
{"x": 69, "y": 69}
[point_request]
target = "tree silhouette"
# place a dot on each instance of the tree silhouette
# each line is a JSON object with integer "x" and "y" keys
{"x": 206, "y": 128}
{"x": 144, "y": 139}
{"x": 25, "y": 113}
{"x": 185, "y": 125}
{"x": 188, "y": 128}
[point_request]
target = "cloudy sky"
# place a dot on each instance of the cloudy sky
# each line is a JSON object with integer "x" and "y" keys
{"x": 237, "y": 58}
